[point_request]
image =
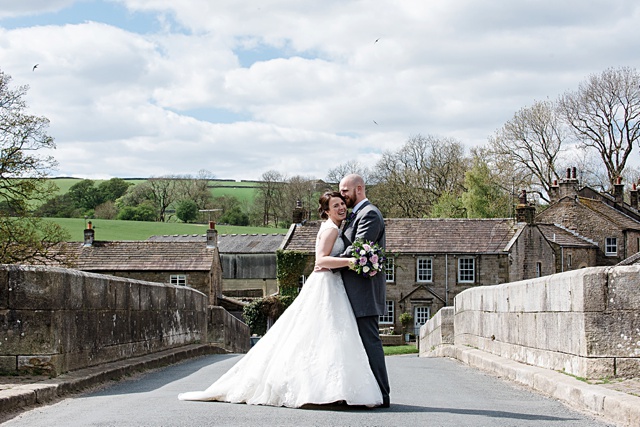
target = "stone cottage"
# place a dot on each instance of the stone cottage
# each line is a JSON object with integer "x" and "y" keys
{"x": 606, "y": 220}
{"x": 430, "y": 261}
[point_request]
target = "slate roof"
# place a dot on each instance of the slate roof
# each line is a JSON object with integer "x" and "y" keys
{"x": 428, "y": 235}
{"x": 615, "y": 216}
{"x": 564, "y": 237}
{"x": 139, "y": 256}
{"x": 231, "y": 243}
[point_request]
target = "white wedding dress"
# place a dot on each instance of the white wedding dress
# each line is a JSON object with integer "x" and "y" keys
{"x": 311, "y": 355}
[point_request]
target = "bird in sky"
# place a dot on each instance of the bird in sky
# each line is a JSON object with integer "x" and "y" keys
{"x": 34, "y": 67}
{"x": 375, "y": 122}
{"x": 376, "y": 40}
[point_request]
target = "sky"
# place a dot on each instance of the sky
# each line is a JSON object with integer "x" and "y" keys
{"x": 144, "y": 88}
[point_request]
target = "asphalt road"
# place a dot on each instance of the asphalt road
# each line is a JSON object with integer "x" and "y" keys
{"x": 424, "y": 392}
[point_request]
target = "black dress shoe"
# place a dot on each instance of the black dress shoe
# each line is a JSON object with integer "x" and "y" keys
{"x": 386, "y": 403}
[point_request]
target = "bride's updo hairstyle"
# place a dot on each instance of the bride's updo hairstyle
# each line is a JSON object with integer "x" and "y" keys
{"x": 324, "y": 201}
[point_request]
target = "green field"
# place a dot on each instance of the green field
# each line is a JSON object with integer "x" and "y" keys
{"x": 110, "y": 230}
{"x": 244, "y": 191}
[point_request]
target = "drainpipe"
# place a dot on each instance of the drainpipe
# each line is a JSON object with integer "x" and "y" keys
{"x": 446, "y": 279}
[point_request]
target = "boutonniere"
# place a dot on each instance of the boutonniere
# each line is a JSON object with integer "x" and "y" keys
{"x": 350, "y": 217}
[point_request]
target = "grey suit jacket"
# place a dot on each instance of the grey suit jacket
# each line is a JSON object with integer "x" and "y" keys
{"x": 367, "y": 295}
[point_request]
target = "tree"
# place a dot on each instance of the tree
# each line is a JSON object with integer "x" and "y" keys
{"x": 269, "y": 197}
{"x": 23, "y": 180}
{"x": 195, "y": 189}
{"x": 85, "y": 195}
{"x": 336, "y": 174}
{"x": 483, "y": 198}
{"x": 113, "y": 189}
{"x": 604, "y": 116}
{"x": 187, "y": 211}
{"x": 411, "y": 180}
{"x": 235, "y": 216}
{"x": 532, "y": 141}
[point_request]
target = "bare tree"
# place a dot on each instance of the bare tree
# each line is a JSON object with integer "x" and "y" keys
{"x": 532, "y": 141}
{"x": 162, "y": 192}
{"x": 410, "y": 180}
{"x": 603, "y": 114}
{"x": 336, "y": 174}
{"x": 195, "y": 189}
{"x": 270, "y": 194}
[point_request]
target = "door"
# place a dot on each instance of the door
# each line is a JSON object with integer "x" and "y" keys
{"x": 421, "y": 315}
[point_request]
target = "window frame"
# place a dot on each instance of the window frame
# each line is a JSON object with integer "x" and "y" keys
{"x": 429, "y": 269}
{"x": 460, "y": 269}
{"x": 178, "y": 279}
{"x": 389, "y": 313}
{"x": 390, "y": 270}
{"x": 610, "y": 242}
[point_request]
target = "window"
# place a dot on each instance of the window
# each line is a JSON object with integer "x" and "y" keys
{"x": 611, "y": 246}
{"x": 569, "y": 260}
{"x": 538, "y": 269}
{"x": 390, "y": 270}
{"x": 389, "y": 316}
{"x": 466, "y": 270}
{"x": 424, "y": 271}
{"x": 178, "y": 279}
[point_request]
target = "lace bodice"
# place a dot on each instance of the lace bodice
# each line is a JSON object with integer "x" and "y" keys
{"x": 338, "y": 246}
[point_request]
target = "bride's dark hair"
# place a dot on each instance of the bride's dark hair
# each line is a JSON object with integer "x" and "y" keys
{"x": 324, "y": 202}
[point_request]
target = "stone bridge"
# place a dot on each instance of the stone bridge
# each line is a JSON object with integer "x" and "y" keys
{"x": 55, "y": 320}
{"x": 583, "y": 323}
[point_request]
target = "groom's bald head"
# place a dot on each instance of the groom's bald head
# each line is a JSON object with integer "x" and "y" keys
{"x": 352, "y": 189}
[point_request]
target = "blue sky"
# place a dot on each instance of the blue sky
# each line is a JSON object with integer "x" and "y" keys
{"x": 238, "y": 87}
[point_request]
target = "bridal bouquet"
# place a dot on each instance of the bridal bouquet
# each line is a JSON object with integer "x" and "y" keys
{"x": 370, "y": 258}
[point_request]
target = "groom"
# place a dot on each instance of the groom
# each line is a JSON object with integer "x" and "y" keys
{"x": 367, "y": 295}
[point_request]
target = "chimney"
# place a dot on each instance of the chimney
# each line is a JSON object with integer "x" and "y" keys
{"x": 553, "y": 191}
{"x": 633, "y": 197}
{"x": 89, "y": 234}
{"x": 618, "y": 190}
{"x": 212, "y": 235}
{"x": 299, "y": 213}
{"x": 569, "y": 185}
{"x": 525, "y": 212}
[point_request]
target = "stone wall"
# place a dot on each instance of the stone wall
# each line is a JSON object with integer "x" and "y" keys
{"x": 54, "y": 320}
{"x": 584, "y": 322}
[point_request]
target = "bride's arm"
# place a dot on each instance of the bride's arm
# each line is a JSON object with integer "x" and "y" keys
{"x": 323, "y": 249}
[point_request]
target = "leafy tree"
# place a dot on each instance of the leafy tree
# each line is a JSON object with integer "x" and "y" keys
{"x": 60, "y": 206}
{"x": 604, "y": 116}
{"x": 85, "y": 195}
{"x": 143, "y": 212}
{"x": 23, "y": 180}
{"x": 187, "y": 211}
{"x": 113, "y": 189}
{"x": 448, "y": 206}
{"x": 483, "y": 198}
{"x": 235, "y": 216}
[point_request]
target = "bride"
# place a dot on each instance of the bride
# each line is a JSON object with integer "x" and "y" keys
{"x": 313, "y": 353}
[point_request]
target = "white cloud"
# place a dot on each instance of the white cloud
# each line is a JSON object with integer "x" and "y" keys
{"x": 304, "y": 79}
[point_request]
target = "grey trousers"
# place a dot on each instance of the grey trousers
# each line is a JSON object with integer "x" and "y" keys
{"x": 368, "y": 329}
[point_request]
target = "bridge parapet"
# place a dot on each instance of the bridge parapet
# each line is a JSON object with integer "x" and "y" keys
{"x": 54, "y": 320}
{"x": 584, "y": 322}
